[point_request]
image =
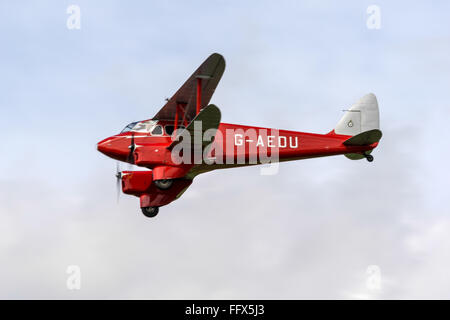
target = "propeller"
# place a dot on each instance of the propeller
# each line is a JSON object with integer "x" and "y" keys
{"x": 132, "y": 147}
{"x": 130, "y": 160}
{"x": 118, "y": 180}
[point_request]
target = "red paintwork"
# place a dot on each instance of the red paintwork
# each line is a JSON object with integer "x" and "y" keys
{"x": 199, "y": 95}
{"x": 136, "y": 182}
{"x": 151, "y": 152}
{"x": 139, "y": 183}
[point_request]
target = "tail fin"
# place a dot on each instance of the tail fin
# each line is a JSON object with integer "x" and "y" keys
{"x": 362, "y": 116}
{"x": 362, "y": 122}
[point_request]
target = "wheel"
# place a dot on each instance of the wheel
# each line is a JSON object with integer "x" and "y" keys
{"x": 150, "y": 212}
{"x": 164, "y": 184}
{"x": 369, "y": 158}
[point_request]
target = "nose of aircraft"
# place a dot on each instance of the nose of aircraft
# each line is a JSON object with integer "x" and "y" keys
{"x": 113, "y": 148}
{"x": 104, "y": 146}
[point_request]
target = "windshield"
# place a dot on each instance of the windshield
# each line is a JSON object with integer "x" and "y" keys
{"x": 129, "y": 127}
{"x": 140, "y": 126}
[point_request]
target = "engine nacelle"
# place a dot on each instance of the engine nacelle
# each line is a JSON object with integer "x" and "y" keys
{"x": 136, "y": 182}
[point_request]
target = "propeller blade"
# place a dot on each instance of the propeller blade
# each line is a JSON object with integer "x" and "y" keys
{"x": 118, "y": 181}
{"x": 132, "y": 146}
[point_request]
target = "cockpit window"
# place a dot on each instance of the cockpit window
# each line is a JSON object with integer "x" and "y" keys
{"x": 129, "y": 127}
{"x": 157, "y": 130}
{"x": 142, "y": 126}
{"x": 169, "y": 130}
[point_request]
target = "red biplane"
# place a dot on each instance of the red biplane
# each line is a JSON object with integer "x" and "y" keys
{"x": 186, "y": 138}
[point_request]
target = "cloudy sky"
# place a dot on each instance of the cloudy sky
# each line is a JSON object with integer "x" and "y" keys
{"x": 317, "y": 229}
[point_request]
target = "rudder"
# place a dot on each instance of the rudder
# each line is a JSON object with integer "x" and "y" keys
{"x": 362, "y": 122}
{"x": 361, "y": 117}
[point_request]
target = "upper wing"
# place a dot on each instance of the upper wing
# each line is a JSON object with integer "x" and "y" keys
{"x": 210, "y": 71}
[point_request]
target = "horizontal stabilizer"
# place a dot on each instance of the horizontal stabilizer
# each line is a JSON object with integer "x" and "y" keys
{"x": 364, "y": 138}
{"x": 355, "y": 156}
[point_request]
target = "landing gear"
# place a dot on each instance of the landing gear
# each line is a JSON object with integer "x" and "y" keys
{"x": 164, "y": 184}
{"x": 150, "y": 212}
{"x": 369, "y": 157}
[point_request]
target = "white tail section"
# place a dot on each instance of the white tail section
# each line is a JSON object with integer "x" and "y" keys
{"x": 361, "y": 117}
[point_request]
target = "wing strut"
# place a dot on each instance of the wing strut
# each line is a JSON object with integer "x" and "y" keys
{"x": 199, "y": 91}
{"x": 181, "y": 108}
{"x": 209, "y": 118}
{"x": 199, "y": 95}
